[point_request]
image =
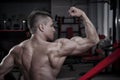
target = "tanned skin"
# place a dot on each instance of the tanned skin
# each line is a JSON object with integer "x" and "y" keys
{"x": 40, "y": 59}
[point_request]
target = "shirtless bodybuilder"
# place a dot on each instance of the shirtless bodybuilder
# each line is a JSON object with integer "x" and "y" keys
{"x": 40, "y": 59}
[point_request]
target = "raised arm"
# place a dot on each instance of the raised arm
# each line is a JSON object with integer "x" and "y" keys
{"x": 78, "y": 45}
{"x": 90, "y": 30}
{"x": 6, "y": 65}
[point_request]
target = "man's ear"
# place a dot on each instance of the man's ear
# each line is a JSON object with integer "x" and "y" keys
{"x": 41, "y": 27}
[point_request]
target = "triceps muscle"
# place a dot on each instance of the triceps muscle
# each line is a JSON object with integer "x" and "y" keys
{"x": 83, "y": 44}
{"x": 6, "y": 65}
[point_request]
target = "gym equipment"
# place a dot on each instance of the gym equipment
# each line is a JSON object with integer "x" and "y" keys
{"x": 98, "y": 52}
{"x": 101, "y": 65}
{"x": 70, "y": 21}
{"x": 69, "y": 32}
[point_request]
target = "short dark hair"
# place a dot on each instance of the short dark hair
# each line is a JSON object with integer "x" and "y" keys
{"x": 34, "y": 17}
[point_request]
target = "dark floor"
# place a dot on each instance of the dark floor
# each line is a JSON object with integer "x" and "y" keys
{"x": 98, "y": 77}
{"x": 101, "y": 76}
{"x": 106, "y": 77}
{"x": 67, "y": 74}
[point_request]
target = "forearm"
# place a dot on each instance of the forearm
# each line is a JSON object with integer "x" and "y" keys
{"x": 90, "y": 30}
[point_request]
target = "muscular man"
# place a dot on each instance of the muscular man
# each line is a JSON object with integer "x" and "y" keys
{"x": 40, "y": 59}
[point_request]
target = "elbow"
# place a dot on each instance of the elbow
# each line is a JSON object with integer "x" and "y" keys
{"x": 98, "y": 40}
{"x": 95, "y": 41}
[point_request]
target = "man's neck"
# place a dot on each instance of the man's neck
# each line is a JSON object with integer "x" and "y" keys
{"x": 38, "y": 39}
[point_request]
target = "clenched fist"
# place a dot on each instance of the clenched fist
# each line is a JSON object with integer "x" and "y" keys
{"x": 73, "y": 11}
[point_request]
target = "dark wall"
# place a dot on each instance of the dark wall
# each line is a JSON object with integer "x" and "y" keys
{"x": 8, "y": 39}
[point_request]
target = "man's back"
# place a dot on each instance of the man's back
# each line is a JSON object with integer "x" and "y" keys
{"x": 39, "y": 61}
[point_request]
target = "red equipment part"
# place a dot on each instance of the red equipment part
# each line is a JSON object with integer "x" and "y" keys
{"x": 101, "y": 65}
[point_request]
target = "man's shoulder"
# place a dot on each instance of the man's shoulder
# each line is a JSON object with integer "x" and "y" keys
{"x": 61, "y": 39}
{"x": 18, "y": 48}
{"x": 57, "y": 44}
{"x": 54, "y": 46}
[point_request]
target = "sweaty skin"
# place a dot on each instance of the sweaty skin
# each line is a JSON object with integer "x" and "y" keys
{"x": 39, "y": 59}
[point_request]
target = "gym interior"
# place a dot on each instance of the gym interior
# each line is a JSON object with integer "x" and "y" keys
{"x": 101, "y": 62}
